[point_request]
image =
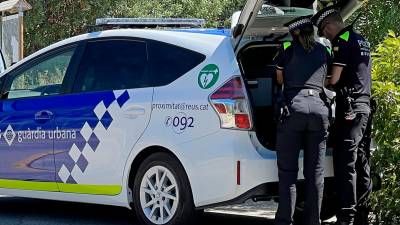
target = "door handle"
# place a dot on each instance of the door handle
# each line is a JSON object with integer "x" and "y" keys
{"x": 43, "y": 116}
{"x": 134, "y": 111}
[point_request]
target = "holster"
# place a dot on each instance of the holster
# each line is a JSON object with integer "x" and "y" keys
{"x": 348, "y": 101}
{"x": 281, "y": 108}
{"x": 329, "y": 98}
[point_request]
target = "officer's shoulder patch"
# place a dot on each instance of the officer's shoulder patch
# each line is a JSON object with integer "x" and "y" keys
{"x": 345, "y": 36}
{"x": 286, "y": 45}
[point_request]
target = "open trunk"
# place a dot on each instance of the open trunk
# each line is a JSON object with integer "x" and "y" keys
{"x": 256, "y": 61}
{"x": 257, "y": 33}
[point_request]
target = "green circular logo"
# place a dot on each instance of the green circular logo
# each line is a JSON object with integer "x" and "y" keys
{"x": 208, "y": 76}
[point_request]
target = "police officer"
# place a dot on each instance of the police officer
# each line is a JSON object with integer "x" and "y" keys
{"x": 351, "y": 77}
{"x": 302, "y": 69}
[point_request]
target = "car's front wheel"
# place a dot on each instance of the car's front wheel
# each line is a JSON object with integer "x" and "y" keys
{"x": 161, "y": 192}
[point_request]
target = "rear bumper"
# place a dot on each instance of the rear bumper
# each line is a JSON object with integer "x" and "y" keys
{"x": 211, "y": 165}
{"x": 268, "y": 191}
{"x": 262, "y": 192}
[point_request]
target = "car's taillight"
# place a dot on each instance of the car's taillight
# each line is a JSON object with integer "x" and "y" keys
{"x": 232, "y": 105}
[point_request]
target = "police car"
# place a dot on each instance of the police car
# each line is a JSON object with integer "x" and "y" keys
{"x": 164, "y": 122}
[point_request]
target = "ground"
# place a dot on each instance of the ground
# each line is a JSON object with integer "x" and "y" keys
{"x": 21, "y": 211}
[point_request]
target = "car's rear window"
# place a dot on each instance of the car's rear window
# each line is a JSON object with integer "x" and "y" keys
{"x": 169, "y": 62}
{"x": 269, "y": 10}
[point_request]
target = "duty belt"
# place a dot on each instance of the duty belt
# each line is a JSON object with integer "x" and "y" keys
{"x": 310, "y": 92}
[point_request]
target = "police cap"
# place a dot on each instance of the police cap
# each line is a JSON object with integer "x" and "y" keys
{"x": 299, "y": 23}
{"x": 321, "y": 15}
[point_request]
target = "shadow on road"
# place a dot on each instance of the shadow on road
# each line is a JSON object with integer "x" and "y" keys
{"x": 20, "y": 211}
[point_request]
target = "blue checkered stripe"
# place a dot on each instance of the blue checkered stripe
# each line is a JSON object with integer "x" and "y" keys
{"x": 80, "y": 153}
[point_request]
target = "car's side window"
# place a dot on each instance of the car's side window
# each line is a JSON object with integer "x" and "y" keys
{"x": 44, "y": 78}
{"x": 169, "y": 62}
{"x": 113, "y": 65}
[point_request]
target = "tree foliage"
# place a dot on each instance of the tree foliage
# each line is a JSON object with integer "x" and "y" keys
{"x": 377, "y": 17}
{"x": 386, "y": 90}
{"x": 53, "y": 20}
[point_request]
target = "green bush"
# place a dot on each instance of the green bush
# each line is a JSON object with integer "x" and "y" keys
{"x": 377, "y": 17}
{"x": 386, "y": 159}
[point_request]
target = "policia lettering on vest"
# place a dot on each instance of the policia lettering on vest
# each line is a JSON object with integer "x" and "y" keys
{"x": 302, "y": 69}
{"x": 351, "y": 79}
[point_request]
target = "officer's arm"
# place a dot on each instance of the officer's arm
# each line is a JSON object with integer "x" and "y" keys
{"x": 279, "y": 76}
{"x": 280, "y": 62}
{"x": 329, "y": 56}
{"x": 336, "y": 73}
{"x": 341, "y": 57}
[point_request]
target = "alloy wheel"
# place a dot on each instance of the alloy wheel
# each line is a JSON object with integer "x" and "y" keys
{"x": 159, "y": 195}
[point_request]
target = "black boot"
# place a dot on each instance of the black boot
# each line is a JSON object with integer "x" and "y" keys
{"x": 361, "y": 217}
{"x": 345, "y": 222}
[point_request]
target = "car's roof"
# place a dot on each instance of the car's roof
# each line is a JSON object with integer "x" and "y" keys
{"x": 204, "y": 41}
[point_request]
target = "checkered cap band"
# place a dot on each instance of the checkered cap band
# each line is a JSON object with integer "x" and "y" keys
{"x": 300, "y": 23}
{"x": 324, "y": 15}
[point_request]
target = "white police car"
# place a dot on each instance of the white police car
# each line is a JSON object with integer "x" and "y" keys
{"x": 161, "y": 121}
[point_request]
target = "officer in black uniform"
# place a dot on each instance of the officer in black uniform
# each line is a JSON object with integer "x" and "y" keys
{"x": 302, "y": 69}
{"x": 351, "y": 78}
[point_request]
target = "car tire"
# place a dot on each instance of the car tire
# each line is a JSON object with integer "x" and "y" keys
{"x": 162, "y": 193}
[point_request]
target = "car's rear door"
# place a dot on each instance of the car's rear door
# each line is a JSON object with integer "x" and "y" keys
{"x": 109, "y": 109}
{"x": 241, "y": 22}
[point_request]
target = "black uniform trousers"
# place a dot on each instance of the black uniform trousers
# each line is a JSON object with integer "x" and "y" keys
{"x": 306, "y": 128}
{"x": 364, "y": 180}
{"x": 351, "y": 157}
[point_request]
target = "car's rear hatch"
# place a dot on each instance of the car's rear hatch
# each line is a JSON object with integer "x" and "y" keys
{"x": 266, "y": 18}
{"x": 258, "y": 31}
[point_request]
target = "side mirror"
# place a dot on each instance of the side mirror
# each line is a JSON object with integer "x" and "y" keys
{"x": 4, "y": 95}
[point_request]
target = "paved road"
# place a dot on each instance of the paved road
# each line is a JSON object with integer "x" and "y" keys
{"x": 20, "y": 211}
